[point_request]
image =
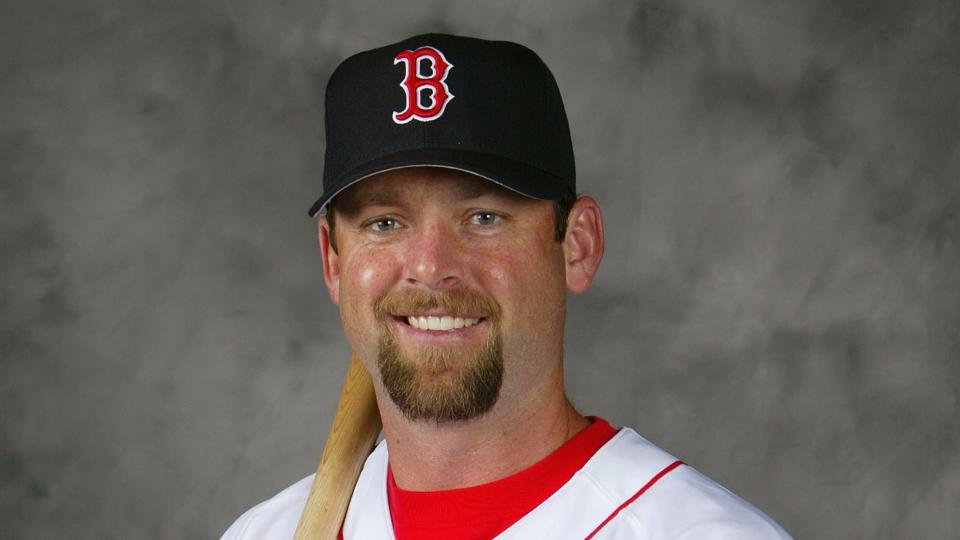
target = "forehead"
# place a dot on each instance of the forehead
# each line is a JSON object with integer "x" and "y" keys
{"x": 413, "y": 184}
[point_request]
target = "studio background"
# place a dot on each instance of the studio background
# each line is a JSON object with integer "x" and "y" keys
{"x": 779, "y": 303}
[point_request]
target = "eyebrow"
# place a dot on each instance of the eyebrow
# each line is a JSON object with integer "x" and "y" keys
{"x": 391, "y": 195}
{"x": 474, "y": 192}
{"x": 379, "y": 198}
{"x": 383, "y": 197}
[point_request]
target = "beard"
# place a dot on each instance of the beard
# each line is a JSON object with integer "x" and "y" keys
{"x": 441, "y": 384}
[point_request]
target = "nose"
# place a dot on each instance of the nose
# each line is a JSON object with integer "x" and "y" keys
{"x": 434, "y": 259}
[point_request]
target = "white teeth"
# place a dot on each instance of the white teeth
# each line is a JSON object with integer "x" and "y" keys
{"x": 443, "y": 323}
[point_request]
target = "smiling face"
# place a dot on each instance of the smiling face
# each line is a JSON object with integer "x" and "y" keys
{"x": 450, "y": 287}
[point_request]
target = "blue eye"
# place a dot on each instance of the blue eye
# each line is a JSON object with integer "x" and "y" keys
{"x": 485, "y": 218}
{"x": 383, "y": 224}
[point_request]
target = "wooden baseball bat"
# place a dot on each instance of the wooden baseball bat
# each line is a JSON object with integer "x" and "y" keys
{"x": 352, "y": 436}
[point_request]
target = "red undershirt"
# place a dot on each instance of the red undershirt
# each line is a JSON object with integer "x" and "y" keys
{"x": 484, "y": 511}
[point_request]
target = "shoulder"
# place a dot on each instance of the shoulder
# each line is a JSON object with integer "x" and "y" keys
{"x": 277, "y": 517}
{"x": 274, "y": 518}
{"x": 667, "y": 499}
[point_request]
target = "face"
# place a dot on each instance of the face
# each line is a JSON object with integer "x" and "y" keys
{"x": 451, "y": 289}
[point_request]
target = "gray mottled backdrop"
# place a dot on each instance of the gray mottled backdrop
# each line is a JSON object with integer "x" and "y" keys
{"x": 779, "y": 304}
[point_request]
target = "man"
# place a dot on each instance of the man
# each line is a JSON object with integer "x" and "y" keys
{"x": 450, "y": 232}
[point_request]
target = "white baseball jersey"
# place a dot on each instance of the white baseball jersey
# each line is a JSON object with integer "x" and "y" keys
{"x": 629, "y": 489}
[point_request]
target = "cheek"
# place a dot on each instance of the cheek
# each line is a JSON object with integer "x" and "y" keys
{"x": 530, "y": 288}
{"x": 523, "y": 277}
{"x": 367, "y": 276}
{"x": 499, "y": 275}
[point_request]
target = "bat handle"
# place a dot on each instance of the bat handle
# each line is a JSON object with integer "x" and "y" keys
{"x": 353, "y": 434}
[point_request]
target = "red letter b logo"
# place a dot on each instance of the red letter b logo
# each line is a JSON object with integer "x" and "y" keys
{"x": 426, "y": 97}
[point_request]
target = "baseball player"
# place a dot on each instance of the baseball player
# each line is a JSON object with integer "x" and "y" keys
{"x": 451, "y": 232}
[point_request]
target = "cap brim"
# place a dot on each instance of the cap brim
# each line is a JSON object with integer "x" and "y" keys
{"x": 514, "y": 175}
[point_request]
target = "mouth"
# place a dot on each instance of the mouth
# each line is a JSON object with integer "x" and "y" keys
{"x": 438, "y": 323}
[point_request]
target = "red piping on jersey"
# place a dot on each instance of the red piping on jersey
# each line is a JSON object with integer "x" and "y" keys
{"x": 635, "y": 496}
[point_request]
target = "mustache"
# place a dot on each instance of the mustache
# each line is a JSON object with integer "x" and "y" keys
{"x": 458, "y": 303}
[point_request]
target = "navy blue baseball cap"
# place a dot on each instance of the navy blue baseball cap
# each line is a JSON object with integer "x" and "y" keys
{"x": 490, "y": 108}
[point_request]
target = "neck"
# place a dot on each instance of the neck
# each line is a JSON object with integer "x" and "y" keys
{"x": 511, "y": 436}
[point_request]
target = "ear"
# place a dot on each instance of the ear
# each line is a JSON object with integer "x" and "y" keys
{"x": 583, "y": 244}
{"x": 331, "y": 261}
